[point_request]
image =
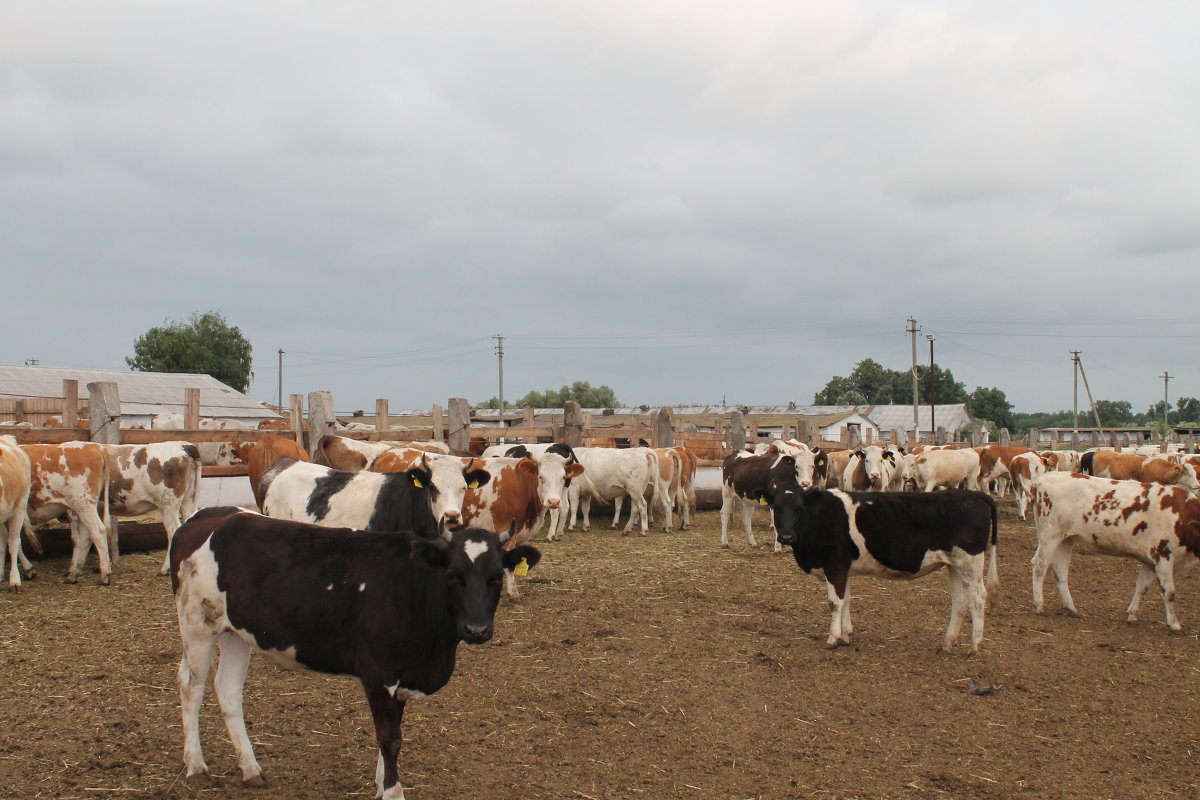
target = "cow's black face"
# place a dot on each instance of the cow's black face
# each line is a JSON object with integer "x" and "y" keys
{"x": 475, "y": 568}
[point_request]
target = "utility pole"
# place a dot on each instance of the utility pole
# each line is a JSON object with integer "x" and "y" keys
{"x": 1166, "y": 426}
{"x": 932, "y": 394}
{"x": 281, "y": 380}
{"x": 1075, "y": 394}
{"x": 500, "y": 356}
{"x": 912, "y": 329}
{"x": 1088, "y": 389}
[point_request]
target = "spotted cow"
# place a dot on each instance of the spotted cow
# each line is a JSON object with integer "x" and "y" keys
{"x": 15, "y": 482}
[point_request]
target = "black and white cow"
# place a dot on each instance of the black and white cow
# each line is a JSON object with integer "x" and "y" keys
{"x": 835, "y": 534}
{"x": 416, "y": 500}
{"x": 387, "y": 608}
{"x": 743, "y": 476}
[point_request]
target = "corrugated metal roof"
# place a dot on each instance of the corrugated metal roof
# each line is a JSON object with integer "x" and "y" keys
{"x": 141, "y": 393}
{"x": 895, "y": 417}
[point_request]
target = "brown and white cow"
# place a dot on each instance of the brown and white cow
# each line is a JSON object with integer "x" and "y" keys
{"x": 687, "y": 484}
{"x": 261, "y": 455}
{"x": 743, "y": 476}
{"x": 869, "y": 469}
{"x": 993, "y": 464}
{"x": 15, "y": 481}
{"x": 143, "y": 478}
{"x": 1154, "y": 524}
{"x": 1023, "y": 470}
{"x": 72, "y": 479}
{"x": 1061, "y": 460}
{"x": 1133, "y": 467}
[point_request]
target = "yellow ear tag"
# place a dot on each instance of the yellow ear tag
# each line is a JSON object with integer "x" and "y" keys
{"x": 417, "y": 482}
{"x": 762, "y": 501}
{"x": 473, "y": 485}
{"x": 522, "y": 569}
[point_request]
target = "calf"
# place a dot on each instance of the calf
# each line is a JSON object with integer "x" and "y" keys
{"x": 1023, "y": 470}
{"x": 418, "y": 499}
{"x": 742, "y": 477}
{"x": 15, "y": 482}
{"x": 1154, "y": 524}
{"x": 993, "y": 464}
{"x": 72, "y": 479}
{"x": 386, "y": 608}
{"x": 835, "y": 534}
{"x": 142, "y": 478}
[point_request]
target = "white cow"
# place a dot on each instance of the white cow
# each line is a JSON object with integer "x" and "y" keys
{"x": 946, "y": 469}
{"x": 611, "y": 473}
{"x": 15, "y": 478}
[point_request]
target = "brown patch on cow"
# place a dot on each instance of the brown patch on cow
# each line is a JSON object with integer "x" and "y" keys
{"x": 1186, "y": 509}
{"x": 1162, "y": 551}
{"x": 212, "y": 611}
{"x": 1139, "y": 505}
{"x": 76, "y": 460}
{"x": 140, "y": 457}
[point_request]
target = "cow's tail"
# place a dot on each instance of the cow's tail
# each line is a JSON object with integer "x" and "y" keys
{"x": 1087, "y": 463}
{"x": 993, "y": 574}
{"x": 106, "y": 517}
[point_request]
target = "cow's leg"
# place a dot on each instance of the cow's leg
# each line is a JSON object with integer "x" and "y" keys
{"x": 552, "y": 533}
{"x": 171, "y": 521}
{"x": 1022, "y": 501}
{"x": 620, "y": 501}
{"x": 837, "y": 621}
{"x": 1040, "y": 563}
{"x": 586, "y": 502}
{"x": 1165, "y": 571}
{"x": 510, "y": 585}
{"x": 199, "y": 641}
{"x": 388, "y": 714}
{"x": 957, "y": 609}
{"x": 663, "y": 496}
{"x": 231, "y": 677}
{"x": 1144, "y": 579}
{"x": 572, "y": 507}
{"x": 90, "y": 522}
{"x": 727, "y": 501}
{"x": 12, "y": 535}
{"x": 747, "y": 521}
{"x": 847, "y": 625}
{"x": 1060, "y": 562}
{"x": 685, "y": 510}
{"x": 638, "y": 507}
{"x": 80, "y": 545}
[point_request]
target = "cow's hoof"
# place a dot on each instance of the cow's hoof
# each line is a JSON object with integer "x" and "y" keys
{"x": 725, "y": 545}
{"x": 1074, "y": 614}
{"x": 199, "y": 779}
{"x": 1131, "y": 619}
{"x": 1175, "y": 631}
{"x": 69, "y": 578}
{"x": 105, "y": 580}
{"x": 255, "y": 781}
{"x": 14, "y": 587}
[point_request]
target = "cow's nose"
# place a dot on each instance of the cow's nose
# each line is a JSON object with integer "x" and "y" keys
{"x": 476, "y": 634}
{"x": 451, "y": 517}
{"x": 553, "y": 502}
{"x": 805, "y": 484}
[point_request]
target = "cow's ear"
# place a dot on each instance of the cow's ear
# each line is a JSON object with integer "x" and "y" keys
{"x": 890, "y": 456}
{"x": 764, "y": 497}
{"x": 530, "y": 555}
{"x": 420, "y": 477}
{"x": 476, "y": 478}
{"x": 574, "y": 470}
{"x": 528, "y": 466}
{"x": 431, "y": 552}
{"x": 859, "y": 454}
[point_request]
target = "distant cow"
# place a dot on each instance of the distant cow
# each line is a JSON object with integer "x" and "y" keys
{"x": 611, "y": 473}
{"x": 386, "y": 608}
{"x": 938, "y": 469}
{"x": 869, "y": 469}
{"x": 743, "y": 476}
{"x": 1023, "y": 470}
{"x": 260, "y": 456}
{"x": 1132, "y": 467}
{"x": 15, "y": 481}
{"x": 835, "y": 534}
{"x": 211, "y": 453}
{"x": 993, "y": 464}
{"x": 1154, "y": 524}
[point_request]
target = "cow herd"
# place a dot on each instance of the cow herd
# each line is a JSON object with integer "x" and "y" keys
{"x": 378, "y": 561}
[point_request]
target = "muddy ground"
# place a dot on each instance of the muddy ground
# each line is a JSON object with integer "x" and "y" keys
{"x": 662, "y": 667}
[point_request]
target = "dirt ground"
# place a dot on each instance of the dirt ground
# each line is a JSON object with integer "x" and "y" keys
{"x": 658, "y": 667}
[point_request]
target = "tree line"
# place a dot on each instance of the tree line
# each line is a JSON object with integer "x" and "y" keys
{"x": 871, "y": 383}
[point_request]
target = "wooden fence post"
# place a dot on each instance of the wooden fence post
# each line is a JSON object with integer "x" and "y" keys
{"x": 737, "y": 432}
{"x": 70, "y": 415}
{"x": 1005, "y": 437}
{"x": 853, "y": 437}
{"x": 381, "y": 414}
{"x": 1034, "y": 438}
{"x": 664, "y": 428}
{"x": 191, "y": 409}
{"x": 941, "y": 436}
{"x": 320, "y": 420}
{"x": 435, "y": 420}
{"x": 801, "y": 430}
{"x": 19, "y": 411}
{"x": 527, "y": 420}
{"x": 104, "y": 409}
{"x": 296, "y": 417}
{"x": 572, "y": 424}
{"x": 976, "y": 434}
{"x": 460, "y": 424}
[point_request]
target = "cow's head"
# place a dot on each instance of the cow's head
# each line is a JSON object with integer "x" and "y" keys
{"x": 448, "y": 480}
{"x": 807, "y": 467}
{"x": 554, "y": 475}
{"x": 789, "y": 507}
{"x": 474, "y": 562}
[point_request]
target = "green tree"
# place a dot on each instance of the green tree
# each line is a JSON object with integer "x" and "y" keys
{"x": 870, "y": 383}
{"x": 205, "y": 344}
{"x": 991, "y": 405}
{"x": 1187, "y": 411}
{"x": 1115, "y": 413}
{"x": 581, "y": 392}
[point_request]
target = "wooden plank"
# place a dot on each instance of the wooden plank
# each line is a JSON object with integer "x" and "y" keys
{"x": 224, "y": 471}
{"x": 70, "y": 412}
{"x": 191, "y": 409}
{"x": 135, "y": 537}
{"x": 381, "y": 414}
{"x": 148, "y": 436}
{"x": 104, "y": 408}
{"x": 45, "y": 435}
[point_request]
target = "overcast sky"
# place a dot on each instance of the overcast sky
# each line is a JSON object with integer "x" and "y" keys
{"x": 687, "y": 201}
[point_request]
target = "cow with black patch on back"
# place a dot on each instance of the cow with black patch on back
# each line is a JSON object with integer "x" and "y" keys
{"x": 387, "y": 608}
{"x": 418, "y": 499}
{"x": 835, "y": 534}
{"x": 742, "y": 476}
